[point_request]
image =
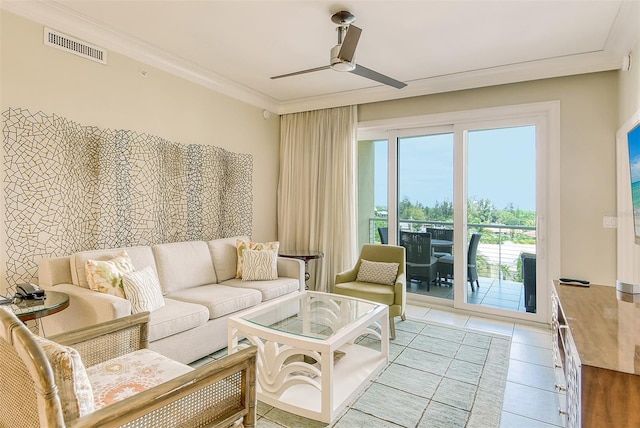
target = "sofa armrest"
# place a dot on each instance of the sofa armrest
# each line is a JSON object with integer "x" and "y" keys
{"x": 104, "y": 341}
{"x": 216, "y": 394}
{"x": 292, "y": 268}
{"x": 86, "y": 308}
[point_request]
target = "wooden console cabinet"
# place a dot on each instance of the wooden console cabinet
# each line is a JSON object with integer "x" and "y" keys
{"x": 596, "y": 346}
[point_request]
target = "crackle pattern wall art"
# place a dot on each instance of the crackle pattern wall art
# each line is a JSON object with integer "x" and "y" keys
{"x": 70, "y": 187}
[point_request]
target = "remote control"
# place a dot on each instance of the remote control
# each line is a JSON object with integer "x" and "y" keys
{"x": 573, "y": 281}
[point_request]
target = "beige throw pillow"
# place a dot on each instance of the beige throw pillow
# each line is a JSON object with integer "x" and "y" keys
{"x": 260, "y": 265}
{"x": 142, "y": 289}
{"x": 106, "y": 275}
{"x": 74, "y": 388}
{"x": 242, "y": 245}
{"x": 377, "y": 272}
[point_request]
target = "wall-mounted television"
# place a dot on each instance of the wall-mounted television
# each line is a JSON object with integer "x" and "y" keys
{"x": 633, "y": 144}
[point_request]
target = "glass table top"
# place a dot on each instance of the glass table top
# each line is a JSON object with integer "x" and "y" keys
{"x": 311, "y": 314}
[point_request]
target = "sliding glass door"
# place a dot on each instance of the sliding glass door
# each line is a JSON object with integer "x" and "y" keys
{"x": 477, "y": 188}
{"x": 501, "y": 217}
{"x": 425, "y": 209}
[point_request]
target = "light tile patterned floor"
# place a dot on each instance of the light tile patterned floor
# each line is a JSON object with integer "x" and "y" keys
{"x": 530, "y": 400}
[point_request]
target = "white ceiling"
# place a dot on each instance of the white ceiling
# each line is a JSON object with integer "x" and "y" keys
{"x": 432, "y": 45}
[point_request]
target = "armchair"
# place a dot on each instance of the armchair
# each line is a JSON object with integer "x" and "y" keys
{"x": 392, "y": 295}
{"x": 36, "y": 375}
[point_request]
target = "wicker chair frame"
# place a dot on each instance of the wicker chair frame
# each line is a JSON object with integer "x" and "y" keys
{"x": 219, "y": 394}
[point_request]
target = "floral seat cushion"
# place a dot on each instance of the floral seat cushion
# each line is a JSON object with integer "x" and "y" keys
{"x": 130, "y": 374}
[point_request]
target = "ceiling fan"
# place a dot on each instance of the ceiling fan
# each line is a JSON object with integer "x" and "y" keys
{"x": 342, "y": 54}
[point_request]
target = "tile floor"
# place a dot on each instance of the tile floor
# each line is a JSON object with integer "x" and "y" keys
{"x": 530, "y": 399}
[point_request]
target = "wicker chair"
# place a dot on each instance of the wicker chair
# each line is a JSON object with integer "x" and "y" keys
{"x": 218, "y": 394}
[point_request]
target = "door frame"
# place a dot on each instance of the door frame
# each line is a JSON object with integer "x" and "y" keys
{"x": 546, "y": 117}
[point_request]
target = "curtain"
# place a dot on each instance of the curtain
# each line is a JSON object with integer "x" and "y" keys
{"x": 317, "y": 189}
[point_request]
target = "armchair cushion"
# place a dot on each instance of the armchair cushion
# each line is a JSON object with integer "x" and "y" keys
{"x": 260, "y": 265}
{"x": 142, "y": 289}
{"x": 124, "y": 376}
{"x": 106, "y": 275}
{"x": 74, "y": 387}
{"x": 377, "y": 272}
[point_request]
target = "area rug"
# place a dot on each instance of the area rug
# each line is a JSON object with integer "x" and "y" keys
{"x": 438, "y": 376}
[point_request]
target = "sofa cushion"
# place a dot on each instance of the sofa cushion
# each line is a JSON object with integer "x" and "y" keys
{"x": 260, "y": 265}
{"x": 74, "y": 386}
{"x": 142, "y": 289}
{"x": 268, "y": 289}
{"x": 175, "y": 317}
{"x": 183, "y": 265}
{"x": 140, "y": 257}
{"x": 106, "y": 276}
{"x": 221, "y": 300}
{"x": 224, "y": 254}
{"x": 124, "y": 376}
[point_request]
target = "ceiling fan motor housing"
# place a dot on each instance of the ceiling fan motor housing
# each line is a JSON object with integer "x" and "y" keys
{"x": 338, "y": 63}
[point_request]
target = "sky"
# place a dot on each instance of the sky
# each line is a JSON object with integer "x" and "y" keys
{"x": 501, "y": 168}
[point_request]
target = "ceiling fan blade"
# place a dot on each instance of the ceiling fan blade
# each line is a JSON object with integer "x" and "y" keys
{"x": 374, "y": 75}
{"x": 349, "y": 44}
{"x": 295, "y": 73}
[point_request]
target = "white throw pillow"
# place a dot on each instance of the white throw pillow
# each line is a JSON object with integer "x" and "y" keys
{"x": 377, "y": 272}
{"x": 242, "y": 245}
{"x": 142, "y": 289}
{"x": 260, "y": 265}
{"x": 74, "y": 387}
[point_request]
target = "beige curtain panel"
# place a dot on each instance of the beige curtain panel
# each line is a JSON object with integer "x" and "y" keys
{"x": 317, "y": 189}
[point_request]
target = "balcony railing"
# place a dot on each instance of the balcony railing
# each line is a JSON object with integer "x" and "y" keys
{"x": 499, "y": 251}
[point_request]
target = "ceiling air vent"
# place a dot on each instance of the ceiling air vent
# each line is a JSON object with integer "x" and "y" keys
{"x": 75, "y": 46}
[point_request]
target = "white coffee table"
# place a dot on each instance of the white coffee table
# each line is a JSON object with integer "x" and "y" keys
{"x": 292, "y": 329}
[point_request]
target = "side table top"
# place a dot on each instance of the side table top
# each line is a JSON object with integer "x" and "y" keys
{"x": 54, "y": 302}
{"x": 301, "y": 254}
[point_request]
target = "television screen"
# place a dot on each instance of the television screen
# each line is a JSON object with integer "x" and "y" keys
{"x": 633, "y": 138}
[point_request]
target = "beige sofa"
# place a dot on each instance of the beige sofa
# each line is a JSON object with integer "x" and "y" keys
{"x": 198, "y": 284}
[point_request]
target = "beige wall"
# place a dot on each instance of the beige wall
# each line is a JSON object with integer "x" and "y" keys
{"x": 629, "y": 105}
{"x": 117, "y": 96}
{"x": 589, "y": 119}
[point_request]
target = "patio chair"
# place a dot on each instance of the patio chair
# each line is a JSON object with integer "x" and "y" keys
{"x": 529, "y": 280}
{"x": 422, "y": 266}
{"x": 442, "y": 234}
{"x": 383, "y": 232}
{"x": 103, "y": 375}
{"x": 393, "y": 294}
{"x": 445, "y": 264}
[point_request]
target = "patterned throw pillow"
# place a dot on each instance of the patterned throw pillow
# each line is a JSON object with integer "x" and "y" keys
{"x": 106, "y": 276}
{"x": 142, "y": 289}
{"x": 377, "y": 272}
{"x": 248, "y": 245}
{"x": 260, "y": 265}
{"x": 74, "y": 387}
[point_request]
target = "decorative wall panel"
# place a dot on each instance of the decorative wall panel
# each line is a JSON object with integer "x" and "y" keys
{"x": 70, "y": 188}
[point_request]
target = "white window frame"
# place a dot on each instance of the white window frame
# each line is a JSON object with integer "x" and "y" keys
{"x": 546, "y": 118}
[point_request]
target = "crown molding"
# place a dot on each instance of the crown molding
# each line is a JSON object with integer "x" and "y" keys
{"x": 66, "y": 21}
{"x": 62, "y": 19}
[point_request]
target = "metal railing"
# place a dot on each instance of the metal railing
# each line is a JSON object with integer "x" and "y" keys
{"x": 499, "y": 251}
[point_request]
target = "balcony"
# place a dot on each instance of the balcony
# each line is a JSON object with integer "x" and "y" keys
{"x": 499, "y": 262}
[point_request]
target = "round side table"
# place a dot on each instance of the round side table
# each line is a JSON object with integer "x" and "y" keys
{"x": 305, "y": 256}
{"x": 27, "y": 310}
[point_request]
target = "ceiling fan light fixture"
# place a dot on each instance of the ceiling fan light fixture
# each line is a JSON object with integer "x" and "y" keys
{"x": 339, "y": 64}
